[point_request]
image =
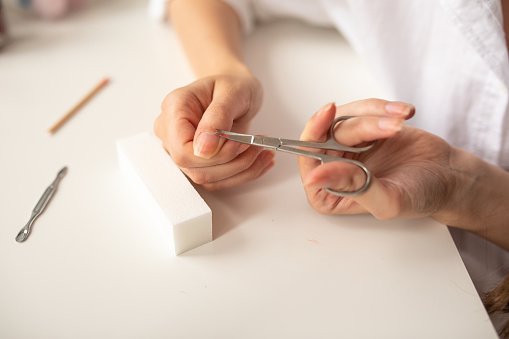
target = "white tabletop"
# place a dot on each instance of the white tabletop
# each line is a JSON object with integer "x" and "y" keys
{"x": 97, "y": 267}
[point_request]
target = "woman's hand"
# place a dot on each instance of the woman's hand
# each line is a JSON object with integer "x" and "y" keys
{"x": 189, "y": 118}
{"x": 410, "y": 168}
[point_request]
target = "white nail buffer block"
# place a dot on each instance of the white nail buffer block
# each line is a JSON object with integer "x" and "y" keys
{"x": 146, "y": 163}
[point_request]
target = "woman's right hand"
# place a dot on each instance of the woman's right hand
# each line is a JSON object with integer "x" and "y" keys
{"x": 191, "y": 115}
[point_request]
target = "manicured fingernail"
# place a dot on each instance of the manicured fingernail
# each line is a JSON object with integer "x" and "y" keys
{"x": 390, "y": 124}
{"x": 324, "y": 109}
{"x": 398, "y": 108}
{"x": 206, "y": 145}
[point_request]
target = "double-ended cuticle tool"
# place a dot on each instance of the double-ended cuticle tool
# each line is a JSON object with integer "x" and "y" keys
{"x": 24, "y": 233}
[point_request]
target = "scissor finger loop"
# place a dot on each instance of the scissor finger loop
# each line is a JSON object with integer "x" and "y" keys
{"x": 360, "y": 165}
{"x": 332, "y": 137}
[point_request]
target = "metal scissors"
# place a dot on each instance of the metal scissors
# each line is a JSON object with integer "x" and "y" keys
{"x": 292, "y": 146}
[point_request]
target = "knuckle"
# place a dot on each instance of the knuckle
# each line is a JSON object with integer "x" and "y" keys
{"x": 211, "y": 187}
{"x": 251, "y": 162}
{"x": 255, "y": 163}
{"x": 220, "y": 109}
{"x": 372, "y": 104}
{"x": 314, "y": 203}
{"x": 167, "y": 100}
{"x": 260, "y": 171}
{"x": 253, "y": 173}
{"x": 321, "y": 208}
{"x": 199, "y": 176}
{"x": 173, "y": 98}
{"x": 377, "y": 102}
{"x": 180, "y": 159}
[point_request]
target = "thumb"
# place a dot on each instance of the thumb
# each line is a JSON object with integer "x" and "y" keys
{"x": 381, "y": 199}
{"x": 206, "y": 143}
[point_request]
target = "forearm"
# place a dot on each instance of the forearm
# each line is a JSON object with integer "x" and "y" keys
{"x": 480, "y": 201}
{"x": 211, "y": 36}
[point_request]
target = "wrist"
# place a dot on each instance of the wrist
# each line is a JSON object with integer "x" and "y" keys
{"x": 224, "y": 67}
{"x": 479, "y": 199}
{"x": 465, "y": 190}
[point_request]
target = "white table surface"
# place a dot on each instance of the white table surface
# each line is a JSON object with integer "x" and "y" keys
{"x": 97, "y": 267}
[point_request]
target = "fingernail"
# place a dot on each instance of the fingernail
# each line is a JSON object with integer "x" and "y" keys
{"x": 398, "y": 108}
{"x": 324, "y": 109}
{"x": 390, "y": 124}
{"x": 206, "y": 145}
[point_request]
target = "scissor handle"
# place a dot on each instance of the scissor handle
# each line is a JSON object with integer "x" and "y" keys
{"x": 359, "y": 164}
{"x": 330, "y": 158}
{"x": 331, "y": 143}
{"x": 332, "y": 138}
{"x": 367, "y": 173}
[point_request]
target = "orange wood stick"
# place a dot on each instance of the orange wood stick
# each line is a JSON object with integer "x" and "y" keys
{"x": 53, "y": 129}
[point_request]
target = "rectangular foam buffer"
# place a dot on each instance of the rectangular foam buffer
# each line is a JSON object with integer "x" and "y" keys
{"x": 149, "y": 167}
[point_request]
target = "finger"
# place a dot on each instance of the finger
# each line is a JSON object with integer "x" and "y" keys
{"x": 382, "y": 199}
{"x": 258, "y": 169}
{"x": 176, "y": 126}
{"x": 357, "y": 130}
{"x": 230, "y": 150}
{"x": 326, "y": 203}
{"x": 220, "y": 114}
{"x": 316, "y": 129}
{"x": 350, "y": 132}
{"x": 205, "y": 175}
{"x": 377, "y": 107}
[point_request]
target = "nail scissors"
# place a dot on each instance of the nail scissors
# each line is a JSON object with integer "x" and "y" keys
{"x": 292, "y": 146}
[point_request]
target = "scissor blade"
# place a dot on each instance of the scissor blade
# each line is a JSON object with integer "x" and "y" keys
{"x": 255, "y": 140}
{"x": 238, "y": 137}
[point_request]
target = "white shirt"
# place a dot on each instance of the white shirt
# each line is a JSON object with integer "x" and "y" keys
{"x": 447, "y": 57}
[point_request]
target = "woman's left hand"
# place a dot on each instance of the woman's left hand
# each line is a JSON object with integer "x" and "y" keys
{"x": 410, "y": 169}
